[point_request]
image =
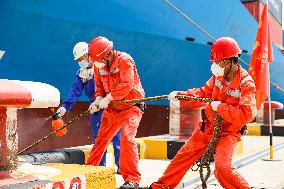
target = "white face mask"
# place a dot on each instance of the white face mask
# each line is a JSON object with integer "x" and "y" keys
{"x": 83, "y": 64}
{"x": 217, "y": 70}
{"x": 99, "y": 64}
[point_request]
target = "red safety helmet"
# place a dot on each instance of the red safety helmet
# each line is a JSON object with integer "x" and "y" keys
{"x": 224, "y": 47}
{"x": 99, "y": 47}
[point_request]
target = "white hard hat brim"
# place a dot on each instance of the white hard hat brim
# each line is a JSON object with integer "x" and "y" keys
{"x": 77, "y": 57}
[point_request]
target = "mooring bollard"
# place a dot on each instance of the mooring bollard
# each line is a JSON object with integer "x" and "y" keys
{"x": 15, "y": 95}
{"x": 184, "y": 116}
{"x": 263, "y": 113}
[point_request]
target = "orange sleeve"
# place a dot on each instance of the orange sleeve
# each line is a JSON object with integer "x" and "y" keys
{"x": 203, "y": 92}
{"x": 245, "y": 111}
{"x": 99, "y": 88}
{"x": 125, "y": 86}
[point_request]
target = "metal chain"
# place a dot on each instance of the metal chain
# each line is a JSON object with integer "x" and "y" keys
{"x": 276, "y": 86}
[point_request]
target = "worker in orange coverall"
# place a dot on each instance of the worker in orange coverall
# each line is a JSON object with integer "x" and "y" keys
{"x": 116, "y": 80}
{"x": 233, "y": 93}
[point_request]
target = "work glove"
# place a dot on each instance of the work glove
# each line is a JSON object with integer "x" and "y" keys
{"x": 172, "y": 95}
{"x": 105, "y": 101}
{"x": 215, "y": 104}
{"x": 94, "y": 107}
{"x": 61, "y": 111}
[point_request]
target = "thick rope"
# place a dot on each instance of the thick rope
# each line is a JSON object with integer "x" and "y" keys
{"x": 184, "y": 97}
{"x": 53, "y": 132}
{"x": 210, "y": 150}
{"x": 112, "y": 103}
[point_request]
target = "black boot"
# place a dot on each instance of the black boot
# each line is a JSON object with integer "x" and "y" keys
{"x": 130, "y": 185}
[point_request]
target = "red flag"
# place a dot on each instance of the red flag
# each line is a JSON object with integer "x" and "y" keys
{"x": 262, "y": 54}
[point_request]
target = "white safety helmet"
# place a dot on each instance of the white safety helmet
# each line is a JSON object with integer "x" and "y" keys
{"x": 80, "y": 49}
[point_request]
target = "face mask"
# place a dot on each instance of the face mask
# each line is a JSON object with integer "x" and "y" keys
{"x": 217, "y": 70}
{"x": 83, "y": 64}
{"x": 99, "y": 64}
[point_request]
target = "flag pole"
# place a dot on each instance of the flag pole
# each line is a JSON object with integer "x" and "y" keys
{"x": 271, "y": 157}
{"x": 270, "y": 121}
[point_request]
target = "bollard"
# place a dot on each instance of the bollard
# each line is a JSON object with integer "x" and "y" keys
{"x": 274, "y": 105}
{"x": 263, "y": 114}
{"x": 14, "y": 95}
{"x": 184, "y": 116}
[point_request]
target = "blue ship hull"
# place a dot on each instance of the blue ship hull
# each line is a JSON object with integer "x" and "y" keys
{"x": 38, "y": 37}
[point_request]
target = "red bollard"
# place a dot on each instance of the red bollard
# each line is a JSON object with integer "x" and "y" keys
{"x": 184, "y": 116}
{"x": 15, "y": 95}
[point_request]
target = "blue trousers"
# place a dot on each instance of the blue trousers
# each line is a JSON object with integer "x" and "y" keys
{"x": 95, "y": 120}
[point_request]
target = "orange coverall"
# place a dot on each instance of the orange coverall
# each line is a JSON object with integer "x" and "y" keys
{"x": 237, "y": 108}
{"x": 123, "y": 82}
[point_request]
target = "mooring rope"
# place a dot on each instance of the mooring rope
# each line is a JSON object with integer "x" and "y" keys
{"x": 210, "y": 150}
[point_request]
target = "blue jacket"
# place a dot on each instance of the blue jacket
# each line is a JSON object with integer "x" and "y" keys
{"x": 84, "y": 80}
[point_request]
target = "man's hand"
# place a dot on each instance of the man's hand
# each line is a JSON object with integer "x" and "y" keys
{"x": 215, "y": 104}
{"x": 94, "y": 107}
{"x": 61, "y": 111}
{"x": 172, "y": 95}
{"x": 105, "y": 101}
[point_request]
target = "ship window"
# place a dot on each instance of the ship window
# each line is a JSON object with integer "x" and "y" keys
{"x": 209, "y": 43}
{"x": 189, "y": 39}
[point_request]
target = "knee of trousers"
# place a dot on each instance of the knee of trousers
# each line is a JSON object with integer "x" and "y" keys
{"x": 125, "y": 141}
{"x": 101, "y": 141}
